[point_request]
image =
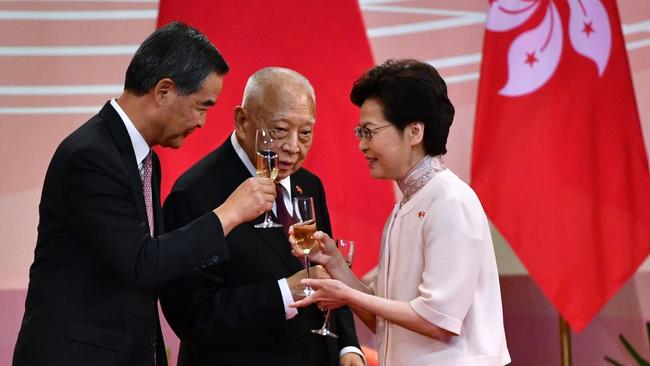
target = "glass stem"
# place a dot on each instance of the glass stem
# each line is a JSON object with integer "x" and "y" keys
{"x": 327, "y": 320}
{"x": 307, "y": 264}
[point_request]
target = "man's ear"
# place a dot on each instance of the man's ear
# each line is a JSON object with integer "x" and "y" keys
{"x": 163, "y": 90}
{"x": 415, "y": 132}
{"x": 241, "y": 117}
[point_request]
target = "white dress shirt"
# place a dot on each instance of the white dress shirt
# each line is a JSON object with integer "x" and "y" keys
{"x": 140, "y": 146}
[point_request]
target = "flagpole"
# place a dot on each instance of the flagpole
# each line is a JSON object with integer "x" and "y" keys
{"x": 565, "y": 342}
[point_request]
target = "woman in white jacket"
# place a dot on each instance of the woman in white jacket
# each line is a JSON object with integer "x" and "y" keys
{"x": 436, "y": 299}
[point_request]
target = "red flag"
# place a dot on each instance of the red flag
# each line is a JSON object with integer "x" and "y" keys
{"x": 558, "y": 158}
{"x": 327, "y": 43}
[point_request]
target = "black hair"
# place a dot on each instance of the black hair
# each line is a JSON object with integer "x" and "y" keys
{"x": 409, "y": 91}
{"x": 176, "y": 51}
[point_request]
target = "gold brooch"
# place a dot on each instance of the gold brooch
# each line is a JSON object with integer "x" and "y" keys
{"x": 299, "y": 189}
{"x": 421, "y": 214}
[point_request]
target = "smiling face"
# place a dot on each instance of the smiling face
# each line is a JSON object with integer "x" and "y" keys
{"x": 182, "y": 114}
{"x": 389, "y": 153}
{"x": 288, "y": 109}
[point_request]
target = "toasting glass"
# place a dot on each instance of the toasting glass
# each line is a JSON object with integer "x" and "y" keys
{"x": 346, "y": 247}
{"x": 267, "y": 165}
{"x": 304, "y": 227}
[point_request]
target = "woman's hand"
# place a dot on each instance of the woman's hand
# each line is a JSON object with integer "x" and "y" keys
{"x": 324, "y": 253}
{"x": 330, "y": 294}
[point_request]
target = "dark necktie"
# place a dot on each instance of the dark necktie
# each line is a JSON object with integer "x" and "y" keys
{"x": 146, "y": 189}
{"x": 282, "y": 214}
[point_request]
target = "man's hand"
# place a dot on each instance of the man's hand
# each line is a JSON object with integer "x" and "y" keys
{"x": 351, "y": 359}
{"x": 330, "y": 294}
{"x": 251, "y": 199}
{"x": 294, "y": 281}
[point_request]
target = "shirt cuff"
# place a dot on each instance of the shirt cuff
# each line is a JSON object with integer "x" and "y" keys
{"x": 287, "y": 299}
{"x": 353, "y": 349}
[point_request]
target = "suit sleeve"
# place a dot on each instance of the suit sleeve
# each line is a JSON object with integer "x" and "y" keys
{"x": 204, "y": 311}
{"x": 343, "y": 319}
{"x": 103, "y": 212}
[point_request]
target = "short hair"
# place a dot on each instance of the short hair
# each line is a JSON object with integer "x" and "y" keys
{"x": 176, "y": 51}
{"x": 409, "y": 91}
{"x": 272, "y": 77}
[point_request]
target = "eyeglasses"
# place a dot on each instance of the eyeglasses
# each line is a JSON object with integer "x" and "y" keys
{"x": 363, "y": 132}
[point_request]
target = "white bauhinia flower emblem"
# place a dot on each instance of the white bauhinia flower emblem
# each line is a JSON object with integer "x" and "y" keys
{"x": 534, "y": 55}
{"x": 590, "y": 32}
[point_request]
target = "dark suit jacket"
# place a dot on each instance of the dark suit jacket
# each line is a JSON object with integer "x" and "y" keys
{"x": 233, "y": 313}
{"x": 92, "y": 290}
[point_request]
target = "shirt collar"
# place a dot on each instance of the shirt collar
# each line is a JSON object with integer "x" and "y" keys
{"x": 420, "y": 175}
{"x": 286, "y": 182}
{"x": 140, "y": 146}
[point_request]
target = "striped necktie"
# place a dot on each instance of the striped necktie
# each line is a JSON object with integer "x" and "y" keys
{"x": 145, "y": 174}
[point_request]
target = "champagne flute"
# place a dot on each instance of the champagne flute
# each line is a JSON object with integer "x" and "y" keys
{"x": 267, "y": 165}
{"x": 304, "y": 227}
{"x": 346, "y": 247}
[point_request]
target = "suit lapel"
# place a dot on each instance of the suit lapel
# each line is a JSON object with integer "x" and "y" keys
{"x": 273, "y": 237}
{"x": 235, "y": 170}
{"x": 279, "y": 243}
{"x": 123, "y": 143}
{"x": 296, "y": 188}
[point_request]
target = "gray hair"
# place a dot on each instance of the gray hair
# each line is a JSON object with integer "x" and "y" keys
{"x": 273, "y": 77}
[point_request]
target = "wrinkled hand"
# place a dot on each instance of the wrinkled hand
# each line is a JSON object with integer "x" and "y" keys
{"x": 251, "y": 199}
{"x": 351, "y": 359}
{"x": 294, "y": 281}
{"x": 329, "y": 294}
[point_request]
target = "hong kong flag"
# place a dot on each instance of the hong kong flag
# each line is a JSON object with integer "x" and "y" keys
{"x": 558, "y": 158}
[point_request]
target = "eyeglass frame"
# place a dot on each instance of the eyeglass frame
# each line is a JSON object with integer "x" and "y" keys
{"x": 276, "y": 132}
{"x": 363, "y": 132}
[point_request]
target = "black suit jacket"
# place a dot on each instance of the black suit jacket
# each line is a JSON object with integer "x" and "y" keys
{"x": 232, "y": 313}
{"x": 92, "y": 290}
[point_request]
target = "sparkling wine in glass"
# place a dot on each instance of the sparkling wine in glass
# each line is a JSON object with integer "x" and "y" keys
{"x": 267, "y": 165}
{"x": 346, "y": 247}
{"x": 304, "y": 227}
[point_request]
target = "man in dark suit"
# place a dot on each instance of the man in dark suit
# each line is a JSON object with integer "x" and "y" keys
{"x": 236, "y": 312}
{"x": 100, "y": 253}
